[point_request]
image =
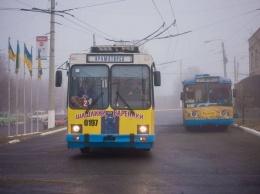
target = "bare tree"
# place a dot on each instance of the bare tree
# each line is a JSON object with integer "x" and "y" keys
{"x": 243, "y": 102}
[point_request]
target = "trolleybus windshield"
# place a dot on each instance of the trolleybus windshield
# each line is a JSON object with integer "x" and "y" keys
{"x": 220, "y": 93}
{"x": 196, "y": 93}
{"x": 130, "y": 87}
{"x": 89, "y": 87}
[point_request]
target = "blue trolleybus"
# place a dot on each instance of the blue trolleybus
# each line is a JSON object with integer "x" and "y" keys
{"x": 207, "y": 100}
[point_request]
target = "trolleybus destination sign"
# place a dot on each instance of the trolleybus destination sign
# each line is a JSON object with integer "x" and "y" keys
{"x": 207, "y": 79}
{"x": 110, "y": 58}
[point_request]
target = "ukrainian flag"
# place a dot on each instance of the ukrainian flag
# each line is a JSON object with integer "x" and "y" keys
{"x": 39, "y": 65}
{"x": 10, "y": 51}
{"x": 18, "y": 61}
{"x": 28, "y": 59}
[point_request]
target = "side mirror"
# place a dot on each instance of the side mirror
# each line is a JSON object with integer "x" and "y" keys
{"x": 157, "y": 78}
{"x": 234, "y": 93}
{"x": 58, "y": 80}
{"x": 181, "y": 96}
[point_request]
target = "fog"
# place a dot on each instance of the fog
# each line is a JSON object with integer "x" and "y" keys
{"x": 181, "y": 55}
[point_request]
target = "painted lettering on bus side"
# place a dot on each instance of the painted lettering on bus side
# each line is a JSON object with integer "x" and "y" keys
{"x": 125, "y": 113}
{"x": 116, "y": 113}
{"x": 96, "y": 113}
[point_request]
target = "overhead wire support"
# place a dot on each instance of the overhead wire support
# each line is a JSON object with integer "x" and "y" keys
{"x": 60, "y": 13}
{"x": 40, "y": 11}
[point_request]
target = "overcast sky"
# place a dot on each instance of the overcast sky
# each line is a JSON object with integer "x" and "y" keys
{"x": 230, "y": 21}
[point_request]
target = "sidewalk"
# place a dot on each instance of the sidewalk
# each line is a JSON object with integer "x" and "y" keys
{"x": 251, "y": 125}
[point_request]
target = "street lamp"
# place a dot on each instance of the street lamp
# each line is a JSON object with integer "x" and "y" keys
{"x": 224, "y": 55}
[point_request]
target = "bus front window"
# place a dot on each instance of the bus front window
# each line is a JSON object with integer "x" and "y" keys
{"x": 195, "y": 93}
{"x": 220, "y": 93}
{"x": 88, "y": 87}
{"x": 130, "y": 87}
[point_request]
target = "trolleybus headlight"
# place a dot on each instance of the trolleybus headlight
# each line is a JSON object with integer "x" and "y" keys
{"x": 76, "y": 128}
{"x": 223, "y": 112}
{"x": 193, "y": 114}
{"x": 142, "y": 129}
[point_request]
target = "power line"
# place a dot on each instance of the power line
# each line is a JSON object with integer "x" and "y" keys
{"x": 93, "y": 5}
{"x": 92, "y": 27}
{"x": 221, "y": 21}
{"x": 174, "y": 18}
{"x": 158, "y": 11}
{"x": 23, "y": 3}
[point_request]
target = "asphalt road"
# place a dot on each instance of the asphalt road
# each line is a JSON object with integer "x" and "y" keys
{"x": 203, "y": 161}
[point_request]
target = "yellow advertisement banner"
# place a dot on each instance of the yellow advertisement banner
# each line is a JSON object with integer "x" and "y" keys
{"x": 208, "y": 112}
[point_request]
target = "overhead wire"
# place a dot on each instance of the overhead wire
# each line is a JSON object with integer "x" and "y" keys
{"x": 93, "y": 5}
{"x": 169, "y": 44}
{"x": 157, "y": 34}
{"x": 221, "y": 21}
{"x": 150, "y": 34}
{"x": 174, "y": 18}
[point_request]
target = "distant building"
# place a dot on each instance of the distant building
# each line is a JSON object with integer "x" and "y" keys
{"x": 254, "y": 53}
{"x": 250, "y": 85}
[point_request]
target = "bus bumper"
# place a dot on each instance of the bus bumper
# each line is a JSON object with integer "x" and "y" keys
{"x": 216, "y": 122}
{"x": 138, "y": 141}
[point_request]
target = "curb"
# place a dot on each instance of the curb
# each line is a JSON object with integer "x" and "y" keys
{"x": 248, "y": 130}
{"x": 54, "y": 131}
{"x": 43, "y": 134}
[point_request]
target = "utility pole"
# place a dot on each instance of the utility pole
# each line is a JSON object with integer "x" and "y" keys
{"x": 180, "y": 81}
{"x": 51, "y": 112}
{"x": 235, "y": 70}
{"x": 94, "y": 40}
{"x": 224, "y": 59}
{"x": 224, "y": 55}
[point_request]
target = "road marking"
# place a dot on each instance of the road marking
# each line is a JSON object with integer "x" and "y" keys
{"x": 14, "y": 141}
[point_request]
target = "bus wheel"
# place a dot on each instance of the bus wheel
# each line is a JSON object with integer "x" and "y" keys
{"x": 85, "y": 150}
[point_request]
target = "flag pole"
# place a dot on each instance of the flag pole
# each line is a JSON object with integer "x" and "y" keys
{"x": 9, "y": 94}
{"x": 17, "y": 83}
{"x": 31, "y": 105}
{"x": 37, "y": 97}
{"x": 24, "y": 111}
{"x": 17, "y": 103}
{"x": 37, "y": 103}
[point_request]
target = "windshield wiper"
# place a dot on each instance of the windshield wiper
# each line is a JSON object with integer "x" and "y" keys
{"x": 123, "y": 100}
{"x": 94, "y": 102}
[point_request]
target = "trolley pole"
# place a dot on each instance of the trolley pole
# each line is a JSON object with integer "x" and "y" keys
{"x": 51, "y": 112}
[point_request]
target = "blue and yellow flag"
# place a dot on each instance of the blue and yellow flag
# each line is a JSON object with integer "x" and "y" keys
{"x": 18, "y": 61}
{"x": 10, "y": 51}
{"x": 39, "y": 65}
{"x": 28, "y": 59}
